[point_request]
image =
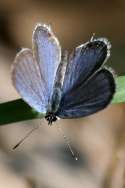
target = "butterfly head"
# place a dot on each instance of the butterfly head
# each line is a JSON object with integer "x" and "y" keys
{"x": 50, "y": 117}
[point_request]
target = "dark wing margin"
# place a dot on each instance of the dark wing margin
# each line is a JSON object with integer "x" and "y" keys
{"x": 88, "y": 98}
{"x": 85, "y": 61}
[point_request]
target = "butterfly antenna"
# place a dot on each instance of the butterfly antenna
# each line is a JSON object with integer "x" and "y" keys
{"x": 67, "y": 141}
{"x": 25, "y": 137}
{"x": 92, "y": 37}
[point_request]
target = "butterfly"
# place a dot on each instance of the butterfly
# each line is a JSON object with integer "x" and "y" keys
{"x": 63, "y": 85}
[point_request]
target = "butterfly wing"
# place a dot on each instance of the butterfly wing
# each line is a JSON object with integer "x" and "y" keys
{"x": 47, "y": 53}
{"x": 33, "y": 73}
{"x": 87, "y": 87}
{"x": 84, "y": 61}
{"x": 28, "y": 81}
{"x": 88, "y": 98}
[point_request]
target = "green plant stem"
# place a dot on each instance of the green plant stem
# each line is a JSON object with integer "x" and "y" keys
{"x": 119, "y": 96}
{"x": 15, "y": 111}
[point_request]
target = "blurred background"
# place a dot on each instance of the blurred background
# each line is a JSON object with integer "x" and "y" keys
{"x": 43, "y": 160}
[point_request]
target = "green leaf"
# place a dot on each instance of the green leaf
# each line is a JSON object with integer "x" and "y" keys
{"x": 15, "y": 111}
{"x": 119, "y": 96}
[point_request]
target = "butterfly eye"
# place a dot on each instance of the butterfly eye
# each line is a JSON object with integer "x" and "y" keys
{"x": 97, "y": 45}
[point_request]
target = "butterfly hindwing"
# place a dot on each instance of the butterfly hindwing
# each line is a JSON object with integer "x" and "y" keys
{"x": 27, "y": 80}
{"x": 88, "y": 98}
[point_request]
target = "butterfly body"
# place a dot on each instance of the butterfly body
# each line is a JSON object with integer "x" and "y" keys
{"x": 64, "y": 86}
{"x": 50, "y": 117}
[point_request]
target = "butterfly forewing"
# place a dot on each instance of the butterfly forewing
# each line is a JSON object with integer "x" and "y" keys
{"x": 34, "y": 72}
{"x": 88, "y": 98}
{"x": 28, "y": 81}
{"x": 47, "y": 53}
{"x": 84, "y": 61}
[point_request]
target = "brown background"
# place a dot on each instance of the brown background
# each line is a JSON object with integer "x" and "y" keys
{"x": 44, "y": 161}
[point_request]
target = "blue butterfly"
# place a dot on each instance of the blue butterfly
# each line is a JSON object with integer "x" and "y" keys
{"x": 62, "y": 85}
